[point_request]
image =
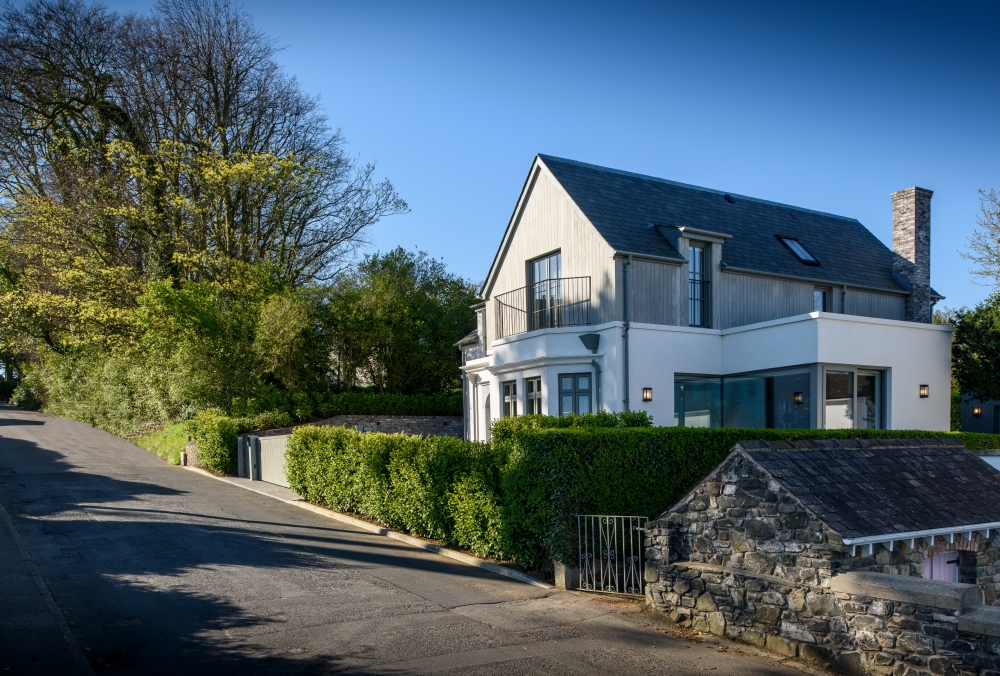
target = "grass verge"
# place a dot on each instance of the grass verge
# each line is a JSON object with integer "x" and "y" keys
{"x": 167, "y": 442}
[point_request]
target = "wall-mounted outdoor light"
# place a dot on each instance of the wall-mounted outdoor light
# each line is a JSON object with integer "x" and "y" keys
{"x": 647, "y": 394}
{"x": 797, "y": 397}
{"x": 925, "y": 391}
{"x": 977, "y": 411}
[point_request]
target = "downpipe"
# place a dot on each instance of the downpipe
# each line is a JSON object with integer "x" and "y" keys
{"x": 628, "y": 303}
{"x": 597, "y": 372}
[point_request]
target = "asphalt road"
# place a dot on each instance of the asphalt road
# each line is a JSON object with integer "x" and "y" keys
{"x": 159, "y": 570}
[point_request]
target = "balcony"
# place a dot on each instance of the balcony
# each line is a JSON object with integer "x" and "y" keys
{"x": 564, "y": 301}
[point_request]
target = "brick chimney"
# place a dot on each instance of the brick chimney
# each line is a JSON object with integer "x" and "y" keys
{"x": 911, "y": 242}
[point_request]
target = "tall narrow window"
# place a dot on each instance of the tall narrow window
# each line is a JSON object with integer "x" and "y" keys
{"x": 697, "y": 287}
{"x": 533, "y": 395}
{"x": 509, "y": 398}
{"x": 574, "y": 393}
{"x": 839, "y": 410}
{"x": 545, "y": 291}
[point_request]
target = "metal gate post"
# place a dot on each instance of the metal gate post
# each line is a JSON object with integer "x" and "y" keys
{"x": 254, "y": 453}
{"x": 241, "y": 463}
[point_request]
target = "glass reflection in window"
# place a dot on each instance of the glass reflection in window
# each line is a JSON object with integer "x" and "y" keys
{"x": 839, "y": 400}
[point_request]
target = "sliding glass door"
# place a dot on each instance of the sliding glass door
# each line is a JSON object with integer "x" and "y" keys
{"x": 853, "y": 399}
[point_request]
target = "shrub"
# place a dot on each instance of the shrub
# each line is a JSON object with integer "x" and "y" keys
{"x": 424, "y": 485}
{"x": 268, "y": 420}
{"x": 503, "y": 429}
{"x": 372, "y": 403}
{"x": 554, "y": 474}
{"x": 517, "y": 497}
{"x": 215, "y": 436}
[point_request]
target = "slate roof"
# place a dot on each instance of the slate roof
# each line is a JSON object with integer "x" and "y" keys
{"x": 624, "y": 207}
{"x": 869, "y": 487}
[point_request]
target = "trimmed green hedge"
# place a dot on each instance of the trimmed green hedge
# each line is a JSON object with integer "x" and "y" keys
{"x": 303, "y": 407}
{"x": 554, "y": 474}
{"x": 503, "y": 429}
{"x": 516, "y": 497}
{"x": 214, "y": 434}
{"x": 438, "y": 487}
{"x": 365, "y": 403}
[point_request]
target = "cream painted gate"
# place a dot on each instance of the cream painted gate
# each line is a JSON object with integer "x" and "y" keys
{"x": 262, "y": 459}
{"x": 272, "y": 460}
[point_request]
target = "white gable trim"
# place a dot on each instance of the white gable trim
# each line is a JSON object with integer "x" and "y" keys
{"x": 537, "y": 166}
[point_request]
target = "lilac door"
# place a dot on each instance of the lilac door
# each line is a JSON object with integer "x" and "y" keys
{"x": 943, "y": 566}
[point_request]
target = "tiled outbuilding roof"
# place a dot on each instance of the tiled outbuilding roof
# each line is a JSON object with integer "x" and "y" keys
{"x": 869, "y": 487}
{"x": 625, "y": 207}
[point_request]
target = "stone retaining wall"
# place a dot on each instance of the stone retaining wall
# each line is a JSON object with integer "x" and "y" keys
{"x": 863, "y": 623}
{"x": 430, "y": 425}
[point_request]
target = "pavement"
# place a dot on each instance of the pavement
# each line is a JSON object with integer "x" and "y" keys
{"x": 120, "y": 563}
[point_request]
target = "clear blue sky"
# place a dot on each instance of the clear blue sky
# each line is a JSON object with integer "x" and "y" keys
{"x": 828, "y": 107}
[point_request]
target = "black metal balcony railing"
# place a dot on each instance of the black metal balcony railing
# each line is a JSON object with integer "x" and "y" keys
{"x": 564, "y": 301}
{"x": 699, "y": 303}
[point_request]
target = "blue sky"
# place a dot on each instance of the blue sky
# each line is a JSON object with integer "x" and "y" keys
{"x": 825, "y": 106}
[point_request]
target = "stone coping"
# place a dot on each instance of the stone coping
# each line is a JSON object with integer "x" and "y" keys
{"x": 980, "y": 620}
{"x": 742, "y": 572}
{"x": 915, "y": 590}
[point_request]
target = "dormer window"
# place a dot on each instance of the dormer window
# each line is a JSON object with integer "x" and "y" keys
{"x": 795, "y": 246}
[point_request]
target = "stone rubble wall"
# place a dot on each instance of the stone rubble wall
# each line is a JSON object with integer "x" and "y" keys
{"x": 741, "y": 558}
{"x": 428, "y": 425}
{"x": 852, "y": 633}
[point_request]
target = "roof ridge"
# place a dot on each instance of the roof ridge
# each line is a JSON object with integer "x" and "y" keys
{"x": 691, "y": 186}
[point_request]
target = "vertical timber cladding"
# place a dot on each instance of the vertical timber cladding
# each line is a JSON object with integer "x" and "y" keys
{"x": 550, "y": 221}
{"x": 272, "y": 460}
{"x": 748, "y": 299}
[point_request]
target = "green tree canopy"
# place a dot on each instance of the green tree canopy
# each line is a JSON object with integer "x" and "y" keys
{"x": 395, "y": 321}
{"x": 976, "y": 350}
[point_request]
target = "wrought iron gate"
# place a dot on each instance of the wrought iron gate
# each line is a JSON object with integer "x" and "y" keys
{"x": 612, "y": 553}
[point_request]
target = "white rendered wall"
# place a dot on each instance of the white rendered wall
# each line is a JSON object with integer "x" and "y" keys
{"x": 911, "y": 355}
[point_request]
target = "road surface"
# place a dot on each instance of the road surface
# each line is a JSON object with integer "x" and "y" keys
{"x": 160, "y": 570}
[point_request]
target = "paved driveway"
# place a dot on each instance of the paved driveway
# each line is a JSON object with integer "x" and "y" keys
{"x": 161, "y": 570}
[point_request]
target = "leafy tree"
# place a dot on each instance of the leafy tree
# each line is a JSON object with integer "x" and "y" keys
{"x": 984, "y": 245}
{"x": 190, "y": 88}
{"x": 976, "y": 350}
{"x": 395, "y": 322}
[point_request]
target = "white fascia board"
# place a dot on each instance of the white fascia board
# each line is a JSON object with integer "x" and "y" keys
{"x": 545, "y": 361}
{"x": 474, "y": 365}
{"x": 911, "y": 536}
{"x": 528, "y": 335}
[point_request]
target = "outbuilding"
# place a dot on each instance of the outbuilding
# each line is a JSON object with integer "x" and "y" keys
{"x": 769, "y": 546}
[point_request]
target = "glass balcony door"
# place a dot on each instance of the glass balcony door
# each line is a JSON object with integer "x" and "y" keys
{"x": 546, "y": 292}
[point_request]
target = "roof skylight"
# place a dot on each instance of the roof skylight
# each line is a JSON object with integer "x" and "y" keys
{"x": 800, "y": 251}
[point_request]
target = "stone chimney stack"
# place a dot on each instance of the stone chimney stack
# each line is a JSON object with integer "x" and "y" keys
{"x": 911, "y": 242}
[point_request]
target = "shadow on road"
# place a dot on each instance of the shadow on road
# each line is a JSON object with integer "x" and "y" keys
{"x": 152, "y": 586}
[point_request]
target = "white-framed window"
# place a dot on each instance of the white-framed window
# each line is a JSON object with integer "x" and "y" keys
{"x": 509, "y": 390}
{"x": 533, "y": 396}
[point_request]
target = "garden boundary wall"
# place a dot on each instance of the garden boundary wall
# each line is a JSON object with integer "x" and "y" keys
{"x": 428, "y": 425}
{"x": 863, "y": 623}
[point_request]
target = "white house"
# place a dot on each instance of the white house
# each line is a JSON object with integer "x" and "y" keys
{"x": 614, "y": 291}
